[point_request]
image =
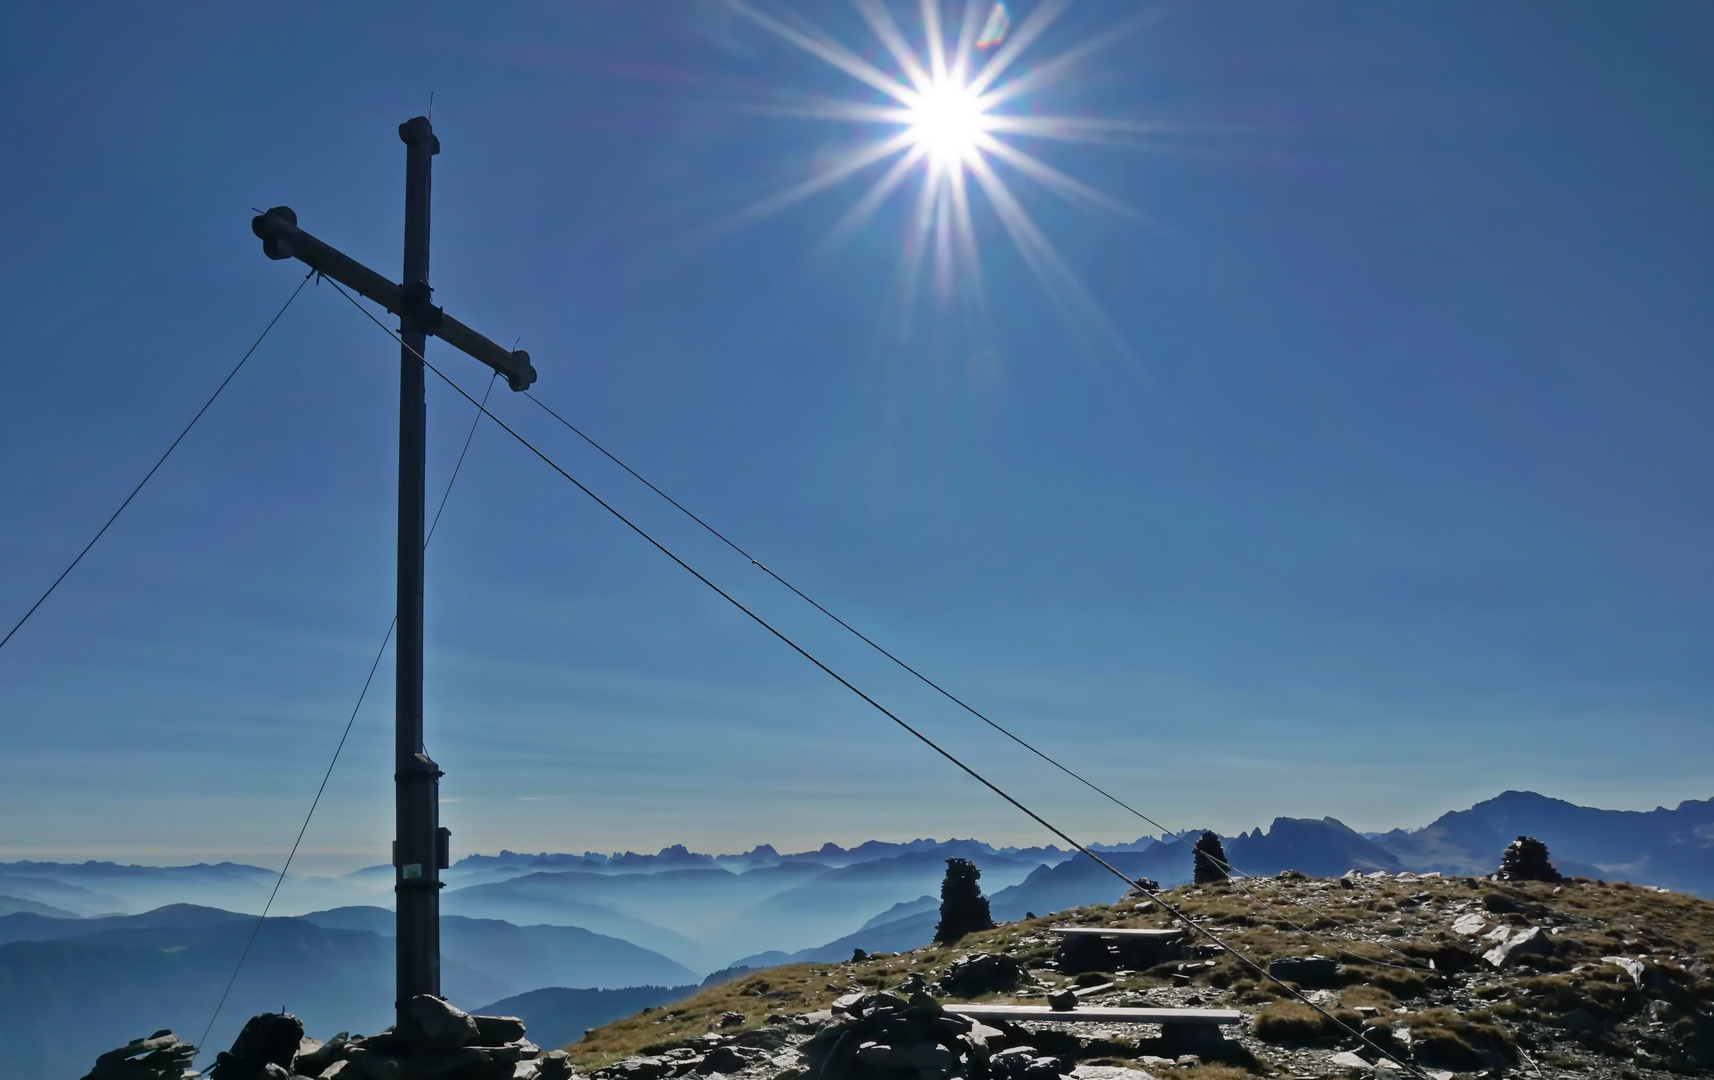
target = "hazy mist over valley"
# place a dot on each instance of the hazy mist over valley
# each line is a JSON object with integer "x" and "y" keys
{"x": 99, "y": 934}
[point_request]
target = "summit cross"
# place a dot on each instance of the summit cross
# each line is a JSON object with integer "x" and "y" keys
{"x": 421, "y": 848}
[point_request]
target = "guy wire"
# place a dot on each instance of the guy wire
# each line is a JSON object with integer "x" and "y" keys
{"x": 158, "y": 462}
{"x": 352, "y": 719}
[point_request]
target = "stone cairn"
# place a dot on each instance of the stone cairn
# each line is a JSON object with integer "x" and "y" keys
{"x": 453, "y": 1046}
{"x": 1525, "y": 859}
{"x": 963, "y": 908}
{"x": 1211, "y": 867}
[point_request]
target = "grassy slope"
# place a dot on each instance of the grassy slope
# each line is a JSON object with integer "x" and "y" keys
{"x": 1383, "y": 931}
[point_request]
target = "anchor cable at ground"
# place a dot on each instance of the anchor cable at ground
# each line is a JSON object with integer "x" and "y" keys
{"x": 158, "y": 462}
{"x": 344, "y": 735}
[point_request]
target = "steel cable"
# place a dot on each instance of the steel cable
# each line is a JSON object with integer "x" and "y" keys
{"x": 159, "y": 461}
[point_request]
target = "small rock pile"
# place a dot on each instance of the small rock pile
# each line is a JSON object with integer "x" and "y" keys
{"x": 161, "y": 1056}
{"x": 705, "y": 1054}
{"x": 457, "y": 1046}
{"x": 885, "y": 1035}
{"x": 272, "y": 1046}
{"x": 1525, "y": 859}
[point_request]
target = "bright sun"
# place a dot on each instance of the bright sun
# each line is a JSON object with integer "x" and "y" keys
{"x": 951, "y": 117}
{"x": 946, "y": 121}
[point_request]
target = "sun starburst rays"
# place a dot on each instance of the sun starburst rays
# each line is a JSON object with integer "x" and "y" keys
{"x": 947, "y": 123}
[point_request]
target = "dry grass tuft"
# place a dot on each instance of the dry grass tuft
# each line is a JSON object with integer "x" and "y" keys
{"x": 1208, "y": 1072}
{"x": 1444, "y": 1039}
{"x": 1353, "y": 996}
{"x": 796, "y": 988}
{"x": 1296, "y": 1023}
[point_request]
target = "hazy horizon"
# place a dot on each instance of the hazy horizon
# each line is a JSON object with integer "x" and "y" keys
{"x": 322, "y": 862}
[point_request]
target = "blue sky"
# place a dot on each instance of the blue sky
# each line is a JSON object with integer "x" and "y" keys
{"x": 1391, "y": 492}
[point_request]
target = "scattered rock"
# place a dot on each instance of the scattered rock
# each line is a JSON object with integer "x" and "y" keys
{"x": 315, "y": 1061}
{"x": 371, "y": 1064}
{"x": 768, "y": 1038}
{"x": 498, "y": 1030}
{"x": 914, "y": 984}
{"x": 725, "y": 1059}
{"x": 1466, "y": 925}
{"x": 980, "y": 973}
{"x": 1025, "y": 1063}
{"x": 1531, "y": 942}
{"x": 554, "y": 1065}
{"x": 161, "y": 1056}
{"x": 1141, "y": 889}
{"x": 443, "y": 1023}
{"x": 1347, "y": 1060}
{"x": 265, "y": 1039}
{"x": 991, "y": 1038}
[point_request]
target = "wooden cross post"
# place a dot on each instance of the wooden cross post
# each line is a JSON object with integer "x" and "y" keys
{"x": 421, "y": 848}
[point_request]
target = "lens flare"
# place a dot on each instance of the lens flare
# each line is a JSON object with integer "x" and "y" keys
{"x": 953, "y": 120}
{"x": 994, "y": 30}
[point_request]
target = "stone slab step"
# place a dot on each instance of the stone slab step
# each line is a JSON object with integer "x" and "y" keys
{"x": 1116, "y": 932}
{"x": 1100, "y": 1014}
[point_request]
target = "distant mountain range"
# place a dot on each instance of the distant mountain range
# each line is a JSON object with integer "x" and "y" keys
{"x": 71, "y": 988}
{"x": 1672, "y": 848}
{"x": 93, "y": 954}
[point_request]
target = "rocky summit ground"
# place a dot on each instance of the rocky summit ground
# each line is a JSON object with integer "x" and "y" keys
{"x": 1442, "y": 976}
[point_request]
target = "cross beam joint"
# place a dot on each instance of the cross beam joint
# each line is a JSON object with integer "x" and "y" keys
{"x": 282, "y": 239}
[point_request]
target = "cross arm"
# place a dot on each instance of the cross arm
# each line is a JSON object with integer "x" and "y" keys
{"x": 282, "y": 239}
